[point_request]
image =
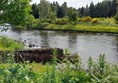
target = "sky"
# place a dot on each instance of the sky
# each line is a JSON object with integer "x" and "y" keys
{"x": 73, "y": 3}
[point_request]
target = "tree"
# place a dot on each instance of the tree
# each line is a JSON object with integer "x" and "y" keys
{"x": 16, "y": 12}
{"x": 82, "y": 11}
{"x": 87, "y": 11}
{"x": 91, "y": 10}
{"x": 62, "y": 10}
{"x": 114, "y": 7}
{"x": 60, "y": 13}
{"x": 3, "y": 8}
{"x": 55, "y": 7}
{"x": 116, "y": 17}
{"x": 35, "y": 11}
{"x": 72, "y": 14}
{"x": 44, "y": 9}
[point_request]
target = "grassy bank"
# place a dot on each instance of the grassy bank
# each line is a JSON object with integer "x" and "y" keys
{"x": 7, "y": 44}
{"x": 96, "y": 72}
{"x": 84, "y": 24}
{"x": 84, "y": 27}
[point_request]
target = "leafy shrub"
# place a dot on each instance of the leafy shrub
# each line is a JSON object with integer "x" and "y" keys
{"x": 95, "y": 21}
{"x": 35, "y": 23}
{"x": 7, "y": 57}
{"x": 73, "y": 16}
{"x": 17, "y": 73}
{"x": 62, "y": 21}
{"x": 86, "y": 19}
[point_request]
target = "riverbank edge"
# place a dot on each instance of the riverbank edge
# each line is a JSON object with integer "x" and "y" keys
{"x": 85, "y": 28}
{"x": 80, "y": 31}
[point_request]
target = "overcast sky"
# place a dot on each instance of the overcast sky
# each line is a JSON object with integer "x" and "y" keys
{"x": 72, "y": 3}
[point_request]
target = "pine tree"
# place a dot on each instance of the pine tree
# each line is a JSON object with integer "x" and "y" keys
{"x": 92, "y": 10}
{"x": 35, "y": 11}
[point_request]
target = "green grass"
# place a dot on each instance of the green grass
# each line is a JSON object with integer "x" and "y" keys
{"x": 84, "y": 27}
{"x": 7, "y": 44}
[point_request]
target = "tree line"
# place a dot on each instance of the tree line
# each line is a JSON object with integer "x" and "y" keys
{"x": 106, "y": 8}
{"x": 53, "y": 10}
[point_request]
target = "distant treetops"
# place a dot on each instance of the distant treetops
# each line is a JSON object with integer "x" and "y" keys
{"x": 106, "y": 8}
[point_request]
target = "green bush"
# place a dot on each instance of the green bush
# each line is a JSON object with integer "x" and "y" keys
{"x": 35, "y": 23}
{"x": 17, "y": 73}
{"x": 86, "y": 19}
{"x": 95, "y": 20}
{"x": 73, "y": 16}
{"x": 62, "y": 21}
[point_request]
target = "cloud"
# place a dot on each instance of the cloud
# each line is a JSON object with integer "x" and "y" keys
{"x": 72, "y": 3}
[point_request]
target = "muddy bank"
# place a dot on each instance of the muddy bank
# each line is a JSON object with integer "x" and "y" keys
{"x": 38, "y": 55}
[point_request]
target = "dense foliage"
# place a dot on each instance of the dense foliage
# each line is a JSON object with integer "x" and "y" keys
{"x": 95, "y": 72}
{"x": 16, "y": 12}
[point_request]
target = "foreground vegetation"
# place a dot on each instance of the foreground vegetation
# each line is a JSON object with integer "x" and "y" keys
{"x": 65, "y": 72}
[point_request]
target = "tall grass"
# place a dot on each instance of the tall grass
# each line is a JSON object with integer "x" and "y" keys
{"x": 7, "y": 44}
{"x": 96, "y": 72}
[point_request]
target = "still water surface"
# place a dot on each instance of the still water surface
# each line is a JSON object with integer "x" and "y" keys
{"x": 86, "y": 44}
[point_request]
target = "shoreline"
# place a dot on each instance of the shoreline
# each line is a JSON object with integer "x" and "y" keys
{"x": 83, "y": 28}
{"x": 81, "y": 31}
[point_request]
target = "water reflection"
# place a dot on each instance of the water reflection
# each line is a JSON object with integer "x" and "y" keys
{"x": 44, "y": 39}
{"x": 117, "y": 43}
{"x": 72, "y": 41}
